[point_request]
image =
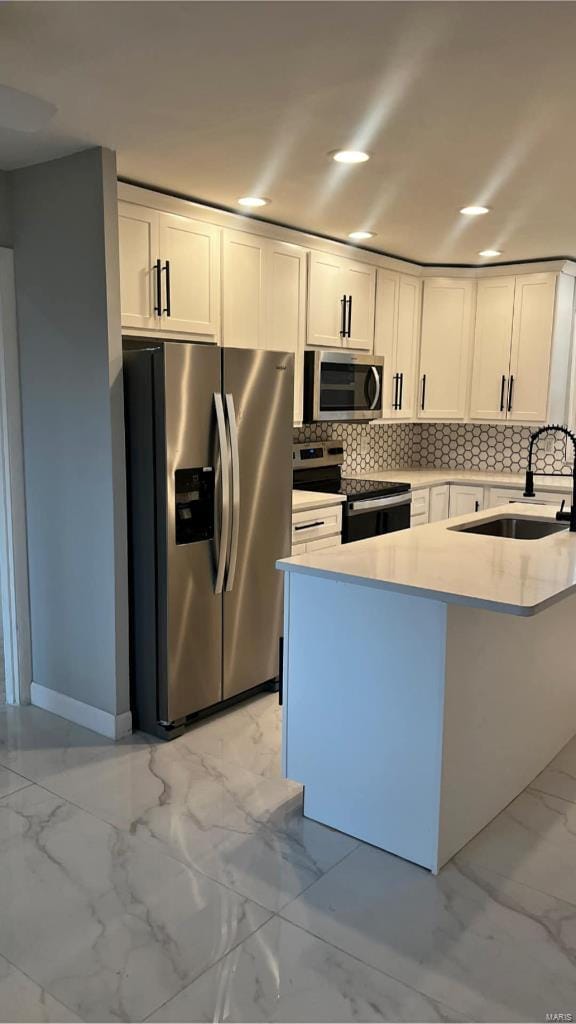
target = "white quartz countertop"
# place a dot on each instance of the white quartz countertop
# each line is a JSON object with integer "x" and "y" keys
{"x": 520, "y": 577}
{"x": 429, "y": 477}
{"x": 303, "y": 501}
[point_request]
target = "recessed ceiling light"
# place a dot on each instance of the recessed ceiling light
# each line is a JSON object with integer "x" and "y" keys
{"x": 361, "y": 236}
{"x": 490, "y": 253}
{"x": 474, "y": 211}
{"x": 253, "y": 201}
{"x": 350, "y": 156}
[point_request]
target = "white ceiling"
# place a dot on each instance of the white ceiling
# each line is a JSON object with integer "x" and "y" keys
{"x": 458, "y": 102}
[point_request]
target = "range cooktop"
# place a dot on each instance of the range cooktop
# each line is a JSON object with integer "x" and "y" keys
{"x": 355, "y": 490}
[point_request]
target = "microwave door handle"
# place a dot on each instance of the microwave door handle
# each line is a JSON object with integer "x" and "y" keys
{"x": 225, "y": 477}
{"x": 377, "y": 382}
{"x": 233, "y": 433}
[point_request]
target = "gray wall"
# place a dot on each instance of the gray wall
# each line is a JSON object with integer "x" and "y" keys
{"x": 5, "y": 210}
{"x": 67, "y": 284}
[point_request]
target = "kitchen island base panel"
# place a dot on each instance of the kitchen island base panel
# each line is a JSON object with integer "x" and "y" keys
{"x": 416, "y": 734}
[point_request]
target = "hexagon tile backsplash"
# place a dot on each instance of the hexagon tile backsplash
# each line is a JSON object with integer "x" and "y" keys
{"x": 494, "y": 447}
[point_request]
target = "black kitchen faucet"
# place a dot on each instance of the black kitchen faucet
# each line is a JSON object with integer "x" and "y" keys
{"x": 562, "y": 516}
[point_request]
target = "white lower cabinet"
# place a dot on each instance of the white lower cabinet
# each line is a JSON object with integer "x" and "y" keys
{"x": 429, "y": 504}
{"x": 420, "y": 506}
{"x": 316, "y": 529}
{"x": 439, "y": 508}
{"x": 465, "y": 498}
{"x": 502, "y": 495}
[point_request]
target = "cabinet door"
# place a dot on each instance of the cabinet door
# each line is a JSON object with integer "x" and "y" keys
{"x": 285, "y": 308}
{"x": 325, "y": 295}
{"x": 139, "y": 250}
{"x": 492, "y": 341}
{"x": 420, "y": 505}
{"x": 387, "y": 287}
{"x": 359, "y": 284}
{"x": 445, "y": 348}
{"x": 407, "y": 342}
{"x": 531, "y": 347}
{"x": 191, "y": 250}
{"x": 465, "y": 499}
{"x": 501, "y": 496}
{"x": 243, "y": 290}
{"x": 439, "y": 503}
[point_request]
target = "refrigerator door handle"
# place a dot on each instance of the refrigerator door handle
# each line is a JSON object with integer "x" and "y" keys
{"x": 233, "y": 429}
{"x": 225, "y": 476}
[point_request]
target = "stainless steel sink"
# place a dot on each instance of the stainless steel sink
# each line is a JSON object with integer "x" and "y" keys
{"x": 513, "y": 528}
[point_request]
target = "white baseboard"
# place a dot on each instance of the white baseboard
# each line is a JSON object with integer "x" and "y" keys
{"x": 115, "y": 727}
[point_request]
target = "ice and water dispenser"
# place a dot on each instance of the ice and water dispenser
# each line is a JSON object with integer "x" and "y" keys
{"x": 194, "y": 490}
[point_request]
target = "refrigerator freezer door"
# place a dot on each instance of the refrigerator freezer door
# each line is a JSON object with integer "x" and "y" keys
{"x": 193, "y": 624}
{"x": 261, "y": 386}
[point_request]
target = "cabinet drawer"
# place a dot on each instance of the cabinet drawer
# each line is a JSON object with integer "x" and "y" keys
{"x": 420, "y": 503}
{"x": 502, "y": 495}
{"x": 325, "y": 542}
{"x": 317, "y": 523}
{"x": 421, "y": 520}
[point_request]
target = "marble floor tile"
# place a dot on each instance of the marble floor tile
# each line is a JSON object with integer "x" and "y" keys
{"x": 99, "y": 919}
{"x": 248, "y": 734}
{"x": 282, "y": 973}
{"x": 25, "y": 1002}
{"x": 532, "y": 841}
{"x": 559, "y": 778}
{"x": 491, "y": 949}
{"x": 10, "y": 782}
{"x": 36, "y": 744}
{"x": 237, "y": 827}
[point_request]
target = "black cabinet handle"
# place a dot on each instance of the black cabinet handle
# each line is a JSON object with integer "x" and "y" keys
{"x": 168, "y": 307}
{"x": 423, "y": 391}
{"x": 401, "y": 390}
{"x": 349, "y": 329}
{"x": 158, "y": 306}
{"x": 476, "y": 506}
{"x": 308, "y": 526}
{"x": 502, "y": 387}
{"x": 510, "y": 393}
{"x": 343, "y": 317}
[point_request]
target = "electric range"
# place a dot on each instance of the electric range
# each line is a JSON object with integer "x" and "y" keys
{"x": 372, "y": 507}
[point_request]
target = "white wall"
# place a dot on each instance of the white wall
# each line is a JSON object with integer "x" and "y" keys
{"x": 67, "y": 284}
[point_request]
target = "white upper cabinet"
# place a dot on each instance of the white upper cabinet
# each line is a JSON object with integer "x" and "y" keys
{"x": 325, "y": 301}
{"x": 521, "y": 348}
{"x": 139, "y": 266}
{"x": 359, "y": 285}
{"x": 285, "y": 308}
{"x": 341, "y": 300}
{"x": 445, "y": 348}
{"x": 243, "y": 290}
{"x": 396, "y": 338}
{"x": 264, "y": 298}
{"x": 189, "y": 251}
{"x": 169, "y": 273}
{"x": 530, "y": 356}
{"x": 492, "y": 339}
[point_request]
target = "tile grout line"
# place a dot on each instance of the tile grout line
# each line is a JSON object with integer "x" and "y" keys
{"x": 42, "y": 987}
{"x": 210, "y": 966}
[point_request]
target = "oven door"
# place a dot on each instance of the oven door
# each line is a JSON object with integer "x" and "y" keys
{"x": 370, "y": 517}
{"x": 345, "y": 386}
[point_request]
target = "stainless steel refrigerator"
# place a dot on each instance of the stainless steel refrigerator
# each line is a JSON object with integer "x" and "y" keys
{"x": 209, "y": 436}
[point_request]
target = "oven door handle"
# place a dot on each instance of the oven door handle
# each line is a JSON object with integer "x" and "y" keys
{"x": 355, "y": 508}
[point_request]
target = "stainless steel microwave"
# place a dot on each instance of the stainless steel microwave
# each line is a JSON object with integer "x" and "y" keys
{"x": 342, "y": 386}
